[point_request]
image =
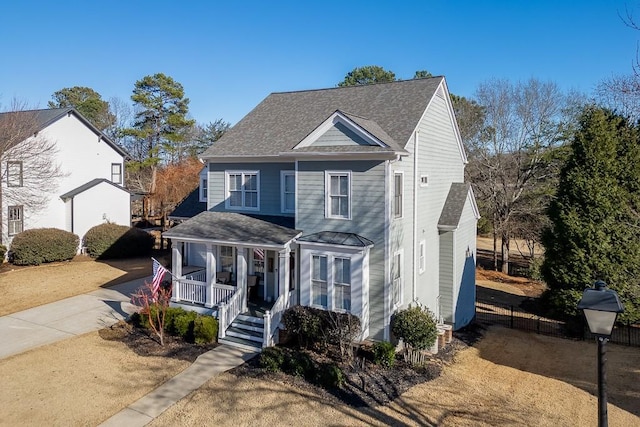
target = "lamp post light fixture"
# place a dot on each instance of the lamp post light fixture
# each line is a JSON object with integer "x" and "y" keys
{"x": 601, "y": 307}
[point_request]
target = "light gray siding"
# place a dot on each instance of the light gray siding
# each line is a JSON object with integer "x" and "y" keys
{"x": 465, "y": 267}
{"x": 447, "y": 273}
{"x": 341, "y": 135}
{"x": 270, "y": 203}
{"x": 368, "y": 218}
{"x": 439, "y": 158}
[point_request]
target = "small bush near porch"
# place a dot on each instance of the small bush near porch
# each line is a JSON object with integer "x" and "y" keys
{"x": 192, "y": 327}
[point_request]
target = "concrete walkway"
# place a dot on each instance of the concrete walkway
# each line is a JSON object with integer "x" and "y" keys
{"x": 46, "y": 324}
{"x": 66, "y": 318}
{"x": 206, "y": 366}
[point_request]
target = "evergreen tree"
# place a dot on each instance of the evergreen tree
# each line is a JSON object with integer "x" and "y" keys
{"x": 595, "y": 218}
{"x": 87, "y": 101}
{"x": 366, "y": 75}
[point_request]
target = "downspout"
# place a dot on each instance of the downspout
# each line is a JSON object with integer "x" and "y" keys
{"x": 415, "y": 215}
{"x": 72, "y": 214}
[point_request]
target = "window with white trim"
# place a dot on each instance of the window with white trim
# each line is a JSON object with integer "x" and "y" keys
{"x": 338, "y": 195}
{"x": 422, "y": 252}
{"x": 398, "y": 179}
{"x": 204, "y": 185}
{"x": 15, "y": 220}
{"x": 342, "y": 284}
{"x": 116, "y": 173}
{"x": 319, "y": 280}
{"x": 226, "y": 258}
{"x": 243, "y": 190}
{"x": 396, "y": 280}
{"x": 14, "y": 174}
{"x": 288, "y": 191}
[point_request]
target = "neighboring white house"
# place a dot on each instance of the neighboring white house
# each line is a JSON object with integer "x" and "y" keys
{"x": 346, "y": 199}
{"x": 89, "y": 188}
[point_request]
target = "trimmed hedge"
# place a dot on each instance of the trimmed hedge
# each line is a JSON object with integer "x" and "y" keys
{"x": 314, "y": 326}
{"x": 3, "y": 252}
{"x": 205, "y": 329}
{"x": 42, "y": 245}
{"x": 106, "y": 241}
{"x": 191, "y": 326}
{"x": 416, "y": 326}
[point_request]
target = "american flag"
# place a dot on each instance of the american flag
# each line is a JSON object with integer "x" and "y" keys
{"x": 158, "y": 274}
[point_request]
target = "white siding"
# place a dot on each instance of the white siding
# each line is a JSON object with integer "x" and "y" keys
{"x": 100, "y": 204}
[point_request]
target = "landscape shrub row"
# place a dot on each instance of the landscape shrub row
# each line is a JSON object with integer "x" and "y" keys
{"x": 298, "y": 363}
{"x": 314, "y": 327}
{"x": 191, "y": 326}
{"x": 107, "y": 241}
{"x": 42, "y": 245}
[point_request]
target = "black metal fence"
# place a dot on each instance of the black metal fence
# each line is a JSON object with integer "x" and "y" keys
{"x": 490, "y": 312}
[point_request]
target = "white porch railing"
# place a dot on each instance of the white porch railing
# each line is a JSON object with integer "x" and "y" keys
{"x": 198, "y": 276}
{"x": 221, "y": 294}
{"x": 193, "y": 291}
{"x": 227, "y": 312}
{"x": 273, "y": 317}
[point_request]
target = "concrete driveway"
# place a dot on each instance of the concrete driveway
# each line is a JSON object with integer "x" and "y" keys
{"x": 66, "y": 318}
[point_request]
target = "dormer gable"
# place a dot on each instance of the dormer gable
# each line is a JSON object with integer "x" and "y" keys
{"x": 341, "y": 129}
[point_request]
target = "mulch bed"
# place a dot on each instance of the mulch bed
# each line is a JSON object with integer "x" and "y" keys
{"x": 143, "y": 343}
{"x": 372, "y": 385}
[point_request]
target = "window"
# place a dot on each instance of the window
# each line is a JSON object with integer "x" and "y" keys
{"x": 16, "y": 220}
{"x": 397, "y": 194}
{"x": 319, "y": 280}
{"x": 203, "y": 190}
{"x": 288, "y": 191}
{"x": 258, "y": 262}
{"x": 116, "y": 173}
{"x": 338, "y": 204}
{"x": 422, "y": 256}
{"x": 243, "y": 190}
{"x": 396, "y": 280}
{"x": 342, "y": 283}
{"x": 14, "y": 174}
{"x": 424, "y": 180}
{"x": 226, "y": 258}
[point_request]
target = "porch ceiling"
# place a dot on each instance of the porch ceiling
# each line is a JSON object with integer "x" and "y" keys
{"x": 236, "y": 228}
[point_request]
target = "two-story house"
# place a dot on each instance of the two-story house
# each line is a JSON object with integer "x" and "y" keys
{"x": 346, "y": 199}
{"x": 87, "y": 188}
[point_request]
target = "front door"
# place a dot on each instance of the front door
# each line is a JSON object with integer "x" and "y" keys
{"x": 271, "y": 276}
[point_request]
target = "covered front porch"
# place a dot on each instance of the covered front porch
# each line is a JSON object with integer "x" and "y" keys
{"x": 228, "y": 263}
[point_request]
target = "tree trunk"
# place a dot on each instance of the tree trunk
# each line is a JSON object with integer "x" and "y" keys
{"x": 505, "y": 253}
{"x": 495, "y": 244}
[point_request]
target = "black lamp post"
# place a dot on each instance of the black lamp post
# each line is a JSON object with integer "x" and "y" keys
{"x": 601, "y": 307}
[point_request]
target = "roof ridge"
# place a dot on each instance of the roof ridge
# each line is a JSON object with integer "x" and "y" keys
{"x": 37, "y": 110}
{"x": 358, "y": 86}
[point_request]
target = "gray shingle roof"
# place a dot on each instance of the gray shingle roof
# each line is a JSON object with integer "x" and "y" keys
{"x": 231, "y": 227}
{"x": 190, "y": 206}
{"x": 453, "y": 206}
{"x": 42, "y": 118}
{"x": 88, "y": 185}
{"x": 284, "y": 119}
{"x": 336, "y": 238}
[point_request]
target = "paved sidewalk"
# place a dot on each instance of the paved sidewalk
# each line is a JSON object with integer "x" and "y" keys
{"x": 66, "y": 318}
{"x": 206, "y": 366}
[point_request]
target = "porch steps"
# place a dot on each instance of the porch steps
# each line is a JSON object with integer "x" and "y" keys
{"x": 246, "y": 332}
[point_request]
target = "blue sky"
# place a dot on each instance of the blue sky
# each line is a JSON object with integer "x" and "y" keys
{"x": 229, "y": 55}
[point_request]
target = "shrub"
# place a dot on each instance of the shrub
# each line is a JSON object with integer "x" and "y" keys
{"x": 107, "y": 241}
{"x": 170, "y": 318}
{"x": 304, "y": 323}
{"x": 183, "y": 324}
{"x": 205, "y": 329}
{"x": 272, "y": 359}
{"x": 299, "y": 364}
{"x": 3, "y": 252}
{"x": 330, "y": 376}
{"x": 41, "y": 245}
{"x": 384, "y": 354}
{"x": 416, "y": 326}
{"x": 561, "y": 304}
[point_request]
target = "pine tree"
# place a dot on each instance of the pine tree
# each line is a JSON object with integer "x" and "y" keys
{"x": 595, "y": 218}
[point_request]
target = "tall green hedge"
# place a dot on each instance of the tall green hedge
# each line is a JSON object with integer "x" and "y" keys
{"x": 106, "y": 241}
{"x": 41, "y": 245}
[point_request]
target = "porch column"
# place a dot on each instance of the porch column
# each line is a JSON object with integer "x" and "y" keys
{"x": 211, "y": 274}
{"x": 283, "y": 271}
{"x": 241, "y": 273}
{"x": 176, "y": 267}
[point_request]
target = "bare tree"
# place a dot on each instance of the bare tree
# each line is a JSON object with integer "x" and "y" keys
{"x": 27, "y": 164}
{"x": 523, "y": 121}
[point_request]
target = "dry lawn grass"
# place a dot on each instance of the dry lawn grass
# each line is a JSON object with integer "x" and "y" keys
{"x": 79, "y": 381}
{"x": 25, "y": 287}
{"x": 508, "y": 378}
